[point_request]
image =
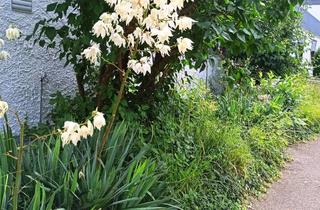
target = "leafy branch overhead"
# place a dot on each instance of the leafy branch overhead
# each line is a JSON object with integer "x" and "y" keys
{"x": 229, "y": 28}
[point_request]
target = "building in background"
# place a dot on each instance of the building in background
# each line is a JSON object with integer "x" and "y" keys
{"x": 32, "y": 73}
{"x": 311, "y": 23}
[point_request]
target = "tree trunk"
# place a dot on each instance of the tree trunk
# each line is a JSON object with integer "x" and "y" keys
{"x": 106, "y": 74}
{"x": 80, "y": 82}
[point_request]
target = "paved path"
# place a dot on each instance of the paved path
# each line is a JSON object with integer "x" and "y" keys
{"x": 299, "y": 186}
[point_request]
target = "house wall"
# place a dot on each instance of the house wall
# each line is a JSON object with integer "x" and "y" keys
{"x": 21, "y": 76}
{"x": 311, "y": 24}
{"x": 307, "y": 52}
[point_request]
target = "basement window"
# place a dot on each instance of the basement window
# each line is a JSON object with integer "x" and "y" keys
{"x": 24, "y": 6}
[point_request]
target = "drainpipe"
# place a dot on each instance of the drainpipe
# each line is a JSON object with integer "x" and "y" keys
{"x": 42, "y": 81}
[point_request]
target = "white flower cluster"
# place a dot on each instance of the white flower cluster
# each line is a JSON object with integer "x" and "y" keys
{"x": 12, "y": 33}
{"x": 152, "y": 24}
{"x": 264, "y": 98}
{"x": 73, "y": 132}
{"x": 140, "y": 66}
{"x": 3, "y": 108}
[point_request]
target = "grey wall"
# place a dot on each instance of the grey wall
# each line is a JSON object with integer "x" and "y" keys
{"x": 312, "y": 2}
{"x": 20, "y": 76}
{"x": 310, "y": 23}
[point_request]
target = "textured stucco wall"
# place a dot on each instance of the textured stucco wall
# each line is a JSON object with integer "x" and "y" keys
{"x": 20, "y": 76}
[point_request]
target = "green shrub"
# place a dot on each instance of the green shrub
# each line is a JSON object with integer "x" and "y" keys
{"x": 213, "y": 152}
{"x": 8, "y": 151}
{"x": 217, "y": 152}
{"x": 316, "y": 64}
{"x": 206, "y": 160}
{"x": 4, "y": 190}
{"x": 310, "y": 105}
{"x": 250, "y": 103}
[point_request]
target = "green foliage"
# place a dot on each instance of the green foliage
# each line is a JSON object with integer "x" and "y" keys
{"x": 69, "y": 108}
{"x": 4, "y": 190}
{"x": 284, "y": 45}
{"x": 7, "y": 165}
{"x": 310, "y": 107}
{"x": 248, "y": 102}
{"x": 66, "y": 108}
{"x": 214, "y": 151}
{"x": 232, "y": 29}
{"x": 217, "y": 152}
{"x": 74, "y": 178}
{"x": 316, "y": 64}
{"x": 8, "y": 153}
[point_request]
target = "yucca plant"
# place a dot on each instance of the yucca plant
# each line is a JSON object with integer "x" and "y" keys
{"x": 4, "y": 190}
{"x": 8, "y": 153}
{"x": 49, "y": 174}
{"x": 75, "y": 178}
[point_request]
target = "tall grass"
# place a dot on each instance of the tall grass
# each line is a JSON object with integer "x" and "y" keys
{"x": 217, "y": 152}
{"x": 310, "y": 106}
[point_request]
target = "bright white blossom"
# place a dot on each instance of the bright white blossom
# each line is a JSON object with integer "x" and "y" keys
{"x": 163, "y": 49}
{"x": 98, "y": 120}
{"x": 184, "y": 44}
{"x": 185, "y": 23}
{"x": 100, "y": 29}
{"x": 131, "y": 41}
{"x": 143, "y": 66}
{"x": 4, "y": 55}
{"x": 137, "y": 33}
{"x": 84, "y": 131}
{"x": 12, "y": 33}
{"x": 75, "y": 138}
{"x": 1, "y": 43}
{"x": 71, "y": 126}
{"x": 147, "y": 38}
{"x": 145, "y": 27}
{"x": 70, "y": 133}
{"x": 82, "y": 175}
{"x": 90, "y": 128}
{"x": 160, "y": 3}
{"x": 73, "y": 132}
{"x": 92, "y": 53}
{"x": 163, "y": 35}
{"x": 177, "y": 3}
{"x": 154, "y": 23}
{"x": 118, "y": 40}
{"x": 108, "y": 18}
{"x": 3, "y": 108}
